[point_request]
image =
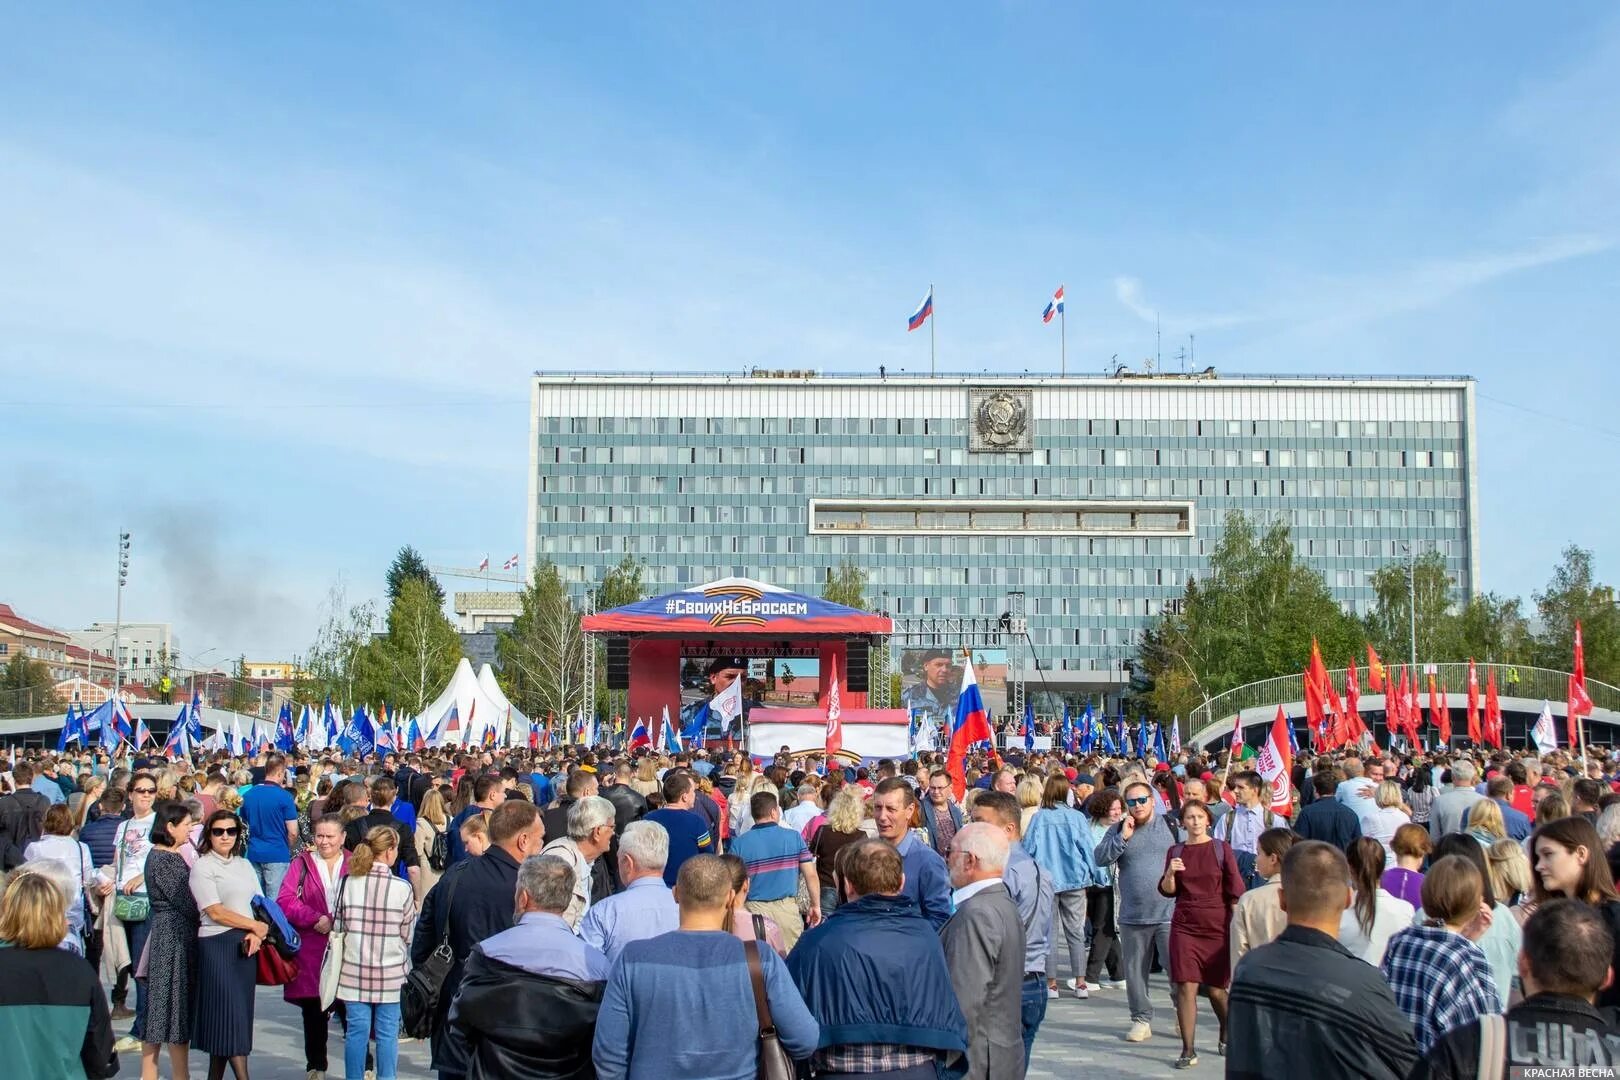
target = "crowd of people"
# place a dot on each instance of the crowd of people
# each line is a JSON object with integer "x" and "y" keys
{"x": 584, "y": 912}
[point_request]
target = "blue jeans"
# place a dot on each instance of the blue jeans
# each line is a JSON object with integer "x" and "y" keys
{"x": 362, "y": 1017}
{"x": 135, "y": 933}
{"x": 1032, "y": 1011}
{"x": 270, "y": 876}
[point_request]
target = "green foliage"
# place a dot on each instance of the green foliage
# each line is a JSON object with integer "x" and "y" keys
{"x": 624, "y": 584}
{"x": 543, "y": 654}
{"x": 1571, "y": 596}
{"x": 336, "y": 663}
{"x": 238, "y": 694}
{"x": 1252, "y": 618}
{"x": 409, "y": 564}
{"x": 412, "y": 661}
{"x": 27, "y": 687}
{"x": 846, "y": 585}
{"x": 1389, "y": 624}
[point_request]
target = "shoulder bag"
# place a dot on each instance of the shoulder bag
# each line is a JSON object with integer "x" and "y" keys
{"x": 332, "y": 962}
{"x": 774, "y": 1062}
{"x": 127, "y": 908}
{"x": 1492, "y": 1046}
{"x": 419, "y": 997}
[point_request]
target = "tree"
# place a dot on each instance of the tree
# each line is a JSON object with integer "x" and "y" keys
{"x": 408, "y": 564}
{"x": 27, "y": 687}
{"x": 1389, "y": 624}
{"x": 846, "y": 585}
{"x": 336, "y": 662}
{"x": 240, "y": 695}
{"x": 1493, "y": 629}
{"x": 414, "y": 659}
{"x": 543, "y": 654}
{"x": 624, "y": 584}
{"x": 1252, "y": 618}
{"x": 1574, "y": 596}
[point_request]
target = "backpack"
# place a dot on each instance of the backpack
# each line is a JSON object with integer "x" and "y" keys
{"x": 1246, "y": 861}
{"x": 22, "y": 821}
{"x": 439, "y": 850}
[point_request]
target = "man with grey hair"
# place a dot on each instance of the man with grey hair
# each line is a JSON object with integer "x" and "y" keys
{"x": 646, "y": 907}
{"x": 1449, "y": 813}
{"x": 591, "y": 821}
{"x": 530, "y": 993}
{"x": 984, "y": 950}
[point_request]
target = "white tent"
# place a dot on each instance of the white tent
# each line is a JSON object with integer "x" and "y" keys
{"x": 515, "y": 723}
{"x": 475, "y": 710}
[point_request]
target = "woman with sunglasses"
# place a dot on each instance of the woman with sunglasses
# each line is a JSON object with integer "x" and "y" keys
{"x": 224, "y": 885}
{"x": 130, "y": 845}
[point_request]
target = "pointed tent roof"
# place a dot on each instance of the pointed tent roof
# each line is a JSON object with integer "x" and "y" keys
{"x": 736, "y": 605}
{"x": 516, "y": 722}
{"x": 474, "y": 706}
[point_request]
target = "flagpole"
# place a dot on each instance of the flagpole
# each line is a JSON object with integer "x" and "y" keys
{"x": 1063, "y": 343}
{"x": 933, "y": 317}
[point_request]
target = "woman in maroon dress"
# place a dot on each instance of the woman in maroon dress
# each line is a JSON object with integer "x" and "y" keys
{"x": 1202, "y": 874}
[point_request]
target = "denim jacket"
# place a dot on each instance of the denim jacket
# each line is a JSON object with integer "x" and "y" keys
{"x": 1060, "y": 841}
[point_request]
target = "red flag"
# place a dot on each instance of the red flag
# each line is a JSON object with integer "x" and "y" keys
{"x": 1315, "y": 714}
{"x": 1275, "y": 765}
{"x": 1414, "y": 712}
{"x": 1375, "y": 672}
{"x": 1579, "y": 703}
{"x": 1236, "y": 748}
{"x": 1445, "y": 715}
{"x": 1395, "y": 707}
{"x": 835, "y": 728}
{"x": 1319, "y": 672}
{"x": 1493, "y": 711}
{"x": 1354, "y": 727}
{"x": 1476, "y": 734}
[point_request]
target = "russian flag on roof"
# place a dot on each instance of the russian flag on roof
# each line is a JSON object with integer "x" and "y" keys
{"x": 924, "y": 309}
{"x": 970, "y": 725}
{"x": 1054, "y": 306}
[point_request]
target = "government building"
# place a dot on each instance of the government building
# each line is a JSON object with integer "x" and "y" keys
{"x": 1095, "y": 497}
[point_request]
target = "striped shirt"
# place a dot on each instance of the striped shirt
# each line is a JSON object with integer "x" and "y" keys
{"x": 774, "y": 854}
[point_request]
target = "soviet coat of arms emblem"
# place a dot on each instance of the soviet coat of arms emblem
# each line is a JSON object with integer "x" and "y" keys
{"x": 999, "y": 420}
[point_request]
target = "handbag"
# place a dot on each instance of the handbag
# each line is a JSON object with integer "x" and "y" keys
{"x": 332, "y": 962}
{"x": 774, "y": 1062}
{"x": 419, "y": 997}
{"x": 126, "y": 908}
{"x": 273, "y": 969}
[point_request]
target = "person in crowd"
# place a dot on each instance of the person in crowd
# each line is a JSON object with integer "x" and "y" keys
{"x": 1516, "y": 823}
{"x": 224, "y": 883}
{"x": 1484, "y": 823}
{"x": 926, "y": 880}
{"x": 984, "y": 952}
{"x": 431, "y": 823}
{"x": 131, "y": 843}
{"x": 629, "y": 803}
{"x": 645, "y": 907}
{"x": 1450, "y": 809}
{"x": 1585, "y": 796}
{"x": 874, "y": 976}
{"x": 1059, "y": 840}
{"x": 1103, "y": 811}
{"x": 590, "y": 823}
{"x": 1404, "y": 880}
{"x": 777, "y": 859}
{"x": 581, "y": 784}
{"x": 1029, "y": 792}
{"x": 1567, "y": 857}
{"x": 1439, "y": 976}
{"x": 308, "y": 899}
{"x": 1420, "y": 794}
{"x": 1139, "y": 845}
{"x": 1509, "y": 876}
{"x": 271, "y": 816}
{"x": 807, "y": 805}
{"x": 171, "y": 963}
{"x": 54, "y": 1022}
{"x": 83, "y": 800}
{"x": 376, "y": 911}
{"x": 56, "y": 844}
{"x": 486, "y": 796}
{"x": 1326, "y": 818}
{"x": 100, "y": 835}
{"x": 473, "y": 901}
{"x": 1033, "y": 895}
{"x": 845, "y": 811}
{"x": 646, "y": 780}
{"x": 941, "y": 816}
{"x": 744, "y": 924}
{"x": 688, "y": 833}
{"x": 1562, "y": 968}
{"x": 383, "y": 795}
{"x": 527, "y": 1002}
{"x": 1387, "y": 814}
{"x": 1503, "y": 935}
{"x": 1201, "y": 875}
{"x": 474, "y": 835}
{"x": 682, "y": 1004}
{"x": 1357, "y": 786}
{"x": 1376, "y": 914}
{"x": 1258, "y": 918}
{"x": 22, "y": 816}
{"x": 1303, "y": 1006}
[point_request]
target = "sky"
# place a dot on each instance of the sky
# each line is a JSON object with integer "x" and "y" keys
{"x": 274, "y": 278}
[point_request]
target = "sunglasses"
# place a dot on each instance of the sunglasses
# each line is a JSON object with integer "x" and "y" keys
{"x": 228, "y": 830}
{"x": 143, "y": 791}
{"x": 1143, "y": 801}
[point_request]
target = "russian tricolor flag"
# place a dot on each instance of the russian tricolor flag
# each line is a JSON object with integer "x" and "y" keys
{"x": 924, "y": 309}
{"x": 639, "y": 735}
{"x": 970, "y": 725}
{"x": 1054, "y": 306}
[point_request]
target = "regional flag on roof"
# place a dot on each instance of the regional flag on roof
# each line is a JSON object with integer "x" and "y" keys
{"x": 924, "y": 310}
{"x": 1054, "y": 306}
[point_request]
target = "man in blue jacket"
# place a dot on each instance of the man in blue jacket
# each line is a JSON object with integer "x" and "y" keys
{"x": 874, "y": 976}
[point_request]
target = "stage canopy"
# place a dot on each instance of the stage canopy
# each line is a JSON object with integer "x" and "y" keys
{"x": 736, "y": 606}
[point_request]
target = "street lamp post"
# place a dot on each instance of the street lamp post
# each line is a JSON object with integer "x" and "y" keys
{"x": 118, "y": 617}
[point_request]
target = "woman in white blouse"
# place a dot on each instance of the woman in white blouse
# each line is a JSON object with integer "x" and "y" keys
{"x": 224, "y": 885}
{"x": 1375, "y": 916}
{"x": 1388, "y": 814}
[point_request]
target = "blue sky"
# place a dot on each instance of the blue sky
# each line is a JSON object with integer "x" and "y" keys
{"x": 272, "y": 285}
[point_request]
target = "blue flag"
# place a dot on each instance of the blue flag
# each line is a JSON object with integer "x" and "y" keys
{"x": 70, "y": 731}
{"x": 1158, "y": 742}
{"x": 1029, "y": 725}
{"x": 284, "y": 729}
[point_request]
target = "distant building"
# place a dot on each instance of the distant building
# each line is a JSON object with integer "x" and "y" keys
{"x": 52, "y": 647}
{"x": 272, "y": 671}
{"x": 92, "y": 692}
{"x": 480, "y": 611}
{"x": 142, "y": 647}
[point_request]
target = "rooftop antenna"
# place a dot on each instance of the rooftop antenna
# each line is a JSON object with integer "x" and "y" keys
{"x": 1192, "y": 349}
{"x": 1158, "y": 343}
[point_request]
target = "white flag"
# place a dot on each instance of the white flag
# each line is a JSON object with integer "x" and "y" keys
{"x": 1544, "y": 732}
{"x": 728, "y": 703}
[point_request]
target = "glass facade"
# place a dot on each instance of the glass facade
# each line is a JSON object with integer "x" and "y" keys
{"x": 1117, "y": 501}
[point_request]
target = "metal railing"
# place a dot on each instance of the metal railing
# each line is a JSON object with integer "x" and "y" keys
{"x": 1529, "y": 682}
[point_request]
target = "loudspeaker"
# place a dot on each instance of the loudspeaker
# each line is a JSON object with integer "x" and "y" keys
{"x": 618, "y": 663}
{"x": 855, "y": 665}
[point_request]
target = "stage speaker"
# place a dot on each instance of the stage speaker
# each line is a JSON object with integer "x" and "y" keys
{"x": 855, "y": 665}
{"x": 618, "y": 663}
